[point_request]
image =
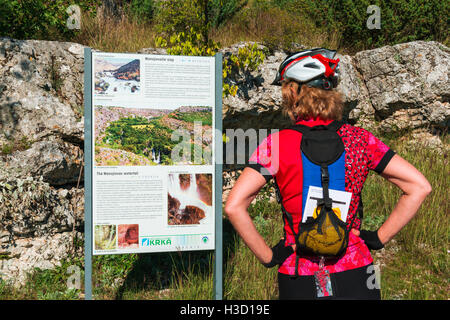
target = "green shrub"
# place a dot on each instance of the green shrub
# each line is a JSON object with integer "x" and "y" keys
{"x": 177, "y": 16}
{"x": 249, "y": 58}
{"x": 401, "y": 20}
{"x": 222, "y": 11}
{"x": 189, "y": 43}
{"x": 142, "y": 10}
{"x": 39, "y": 18}
{"x": 192, "y": 43}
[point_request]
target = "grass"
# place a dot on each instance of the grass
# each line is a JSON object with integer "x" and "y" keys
{"x": 44, "y": 284}
{"x": 179, "y": 275}
{"x": 413, "y": 266}
{"x": 112, "y": 34}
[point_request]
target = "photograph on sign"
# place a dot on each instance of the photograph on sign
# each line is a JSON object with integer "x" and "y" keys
{"x": 117, "y": 75}
{"x": 189, "y": 198}
{"x": 139, "y": 136}
{"x": 153, "y": 161}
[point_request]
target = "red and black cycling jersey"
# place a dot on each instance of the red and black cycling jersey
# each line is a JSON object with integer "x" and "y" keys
{"x": 279, "y": 157}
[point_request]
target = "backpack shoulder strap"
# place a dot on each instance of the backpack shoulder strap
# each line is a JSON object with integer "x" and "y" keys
{"x": 334, "y": 126}
{"x": 300, "y": 128}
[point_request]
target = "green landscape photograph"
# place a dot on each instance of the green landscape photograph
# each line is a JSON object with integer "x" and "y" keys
{"x": 137, "y": 137}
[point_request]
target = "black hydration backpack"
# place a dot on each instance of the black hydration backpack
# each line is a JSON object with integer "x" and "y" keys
{"x": 323, "y": 160}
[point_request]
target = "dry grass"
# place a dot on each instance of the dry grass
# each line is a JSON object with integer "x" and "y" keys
{"x": 112, "y": 34}
{"x": 274, "y": 27}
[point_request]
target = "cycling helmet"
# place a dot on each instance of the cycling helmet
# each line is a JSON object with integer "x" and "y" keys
{"x": 315, "y": 67}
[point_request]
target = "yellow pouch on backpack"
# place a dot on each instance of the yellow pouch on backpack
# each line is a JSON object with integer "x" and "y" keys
{"x": 324, "y": 235}
{"x": 337, "y": 211}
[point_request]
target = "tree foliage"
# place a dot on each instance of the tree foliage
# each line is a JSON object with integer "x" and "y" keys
{"x": 176, "y": 16}
{"x": 142, "y": 10}
{"x": 401, "y": 20}
{"x": 33, "y": 19}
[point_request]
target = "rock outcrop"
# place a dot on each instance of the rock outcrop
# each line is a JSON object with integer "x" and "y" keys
{"x": 41, "y": 154}
{"x": 389, "y": 89}
{"x": 408, "y": 85}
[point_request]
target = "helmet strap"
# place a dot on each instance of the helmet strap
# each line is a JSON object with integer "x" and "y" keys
{"x": 321, "y": 83}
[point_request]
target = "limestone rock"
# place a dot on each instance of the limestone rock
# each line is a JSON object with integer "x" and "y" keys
{"x": 44, "y": 252}
{"x": 57, "y": 161}
{"x": 408, "y": 84}
{"x": 41, "y": 102}
{"x": 375, "y": 84}
{"x": 30, "y": 208}
{"x": 257, "y": 103}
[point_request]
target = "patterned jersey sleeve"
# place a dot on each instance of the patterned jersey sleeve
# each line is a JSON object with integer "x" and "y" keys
{"x": 379, "y": 154}
{"x": 262, "y": 158}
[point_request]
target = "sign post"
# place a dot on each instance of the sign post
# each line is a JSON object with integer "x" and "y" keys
{"x": 153, "y": 156}
{"x": 218, "y": 265}
{"x": 87, "y": 174}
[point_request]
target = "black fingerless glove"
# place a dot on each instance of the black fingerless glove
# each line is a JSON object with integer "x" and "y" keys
{"x": 371, "y": 239}
{"x": 280, "y": 253}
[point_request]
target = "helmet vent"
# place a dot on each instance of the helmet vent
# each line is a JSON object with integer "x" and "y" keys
{"x": 311, "y": 65}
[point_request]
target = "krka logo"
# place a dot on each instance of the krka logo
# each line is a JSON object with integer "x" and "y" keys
{"x": 147, "y": 242}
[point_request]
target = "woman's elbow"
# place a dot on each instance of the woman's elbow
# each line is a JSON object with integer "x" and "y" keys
{"x": 230, "y": 209}
{"x": 426, "y": 188}
{"x": 235, "y": 207}
{"x": 423, "y": 189}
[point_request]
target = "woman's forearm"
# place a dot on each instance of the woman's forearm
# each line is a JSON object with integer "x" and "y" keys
{"x": 239, "y": 199}
{"x": 244, "y": 226}
{"x": 404, "y": 211}
{"x": 415, "y": 189}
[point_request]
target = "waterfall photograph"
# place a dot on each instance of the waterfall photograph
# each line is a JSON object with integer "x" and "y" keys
{"x": 189, "y": 198}
{"x": 117, "y": 76}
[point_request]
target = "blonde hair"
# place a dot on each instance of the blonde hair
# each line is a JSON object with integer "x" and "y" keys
{"x": 310, "y": 102}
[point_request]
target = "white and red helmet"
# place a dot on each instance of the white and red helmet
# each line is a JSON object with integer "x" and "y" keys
{"x": 315, "y": 67}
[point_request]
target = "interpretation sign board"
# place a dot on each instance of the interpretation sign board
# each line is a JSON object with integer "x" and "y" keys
{"x": 152, "y": 152}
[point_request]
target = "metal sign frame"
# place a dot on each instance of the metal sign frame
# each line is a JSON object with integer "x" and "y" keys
{"x": 88, "y": 186}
